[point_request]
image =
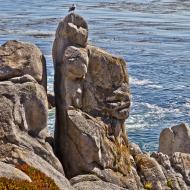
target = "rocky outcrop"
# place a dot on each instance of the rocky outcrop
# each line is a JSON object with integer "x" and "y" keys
{"x": 20, "y": 58}
{"x": 24, "y": 138}
{"x": 175, "y": 169}
{"x": 92, "y": 102}
{"x": 23, "y": 132}
{"x": 175, "y": 139}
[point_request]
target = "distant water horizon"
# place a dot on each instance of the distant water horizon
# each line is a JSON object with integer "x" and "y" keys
{"x": 153, "y": 36}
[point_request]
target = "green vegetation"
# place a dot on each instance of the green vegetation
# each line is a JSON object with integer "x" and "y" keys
{"x": 148, "y": 185}
{"x": 39, "y": 181}
{"x": 169, "y": 183}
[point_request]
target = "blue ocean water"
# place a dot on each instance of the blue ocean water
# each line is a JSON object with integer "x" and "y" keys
{"x": 153, "y": 36}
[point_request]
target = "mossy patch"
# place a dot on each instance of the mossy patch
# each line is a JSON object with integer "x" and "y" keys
{"x": 39, "y": 181}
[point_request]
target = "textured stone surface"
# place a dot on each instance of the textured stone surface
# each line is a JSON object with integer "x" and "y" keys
{"x": 19, "y": 155}
{"x": 181, "y": 163}
{"x": 97, "y": 185}
{"x": 106, "y": 89}
{"x": 92, "y": 100}
{"x": 151, "y": 171}
{"x": 82, "y": 178}
{"x": 174, "y": 179}
{"x": 90, "y": 151}
{"x": 24, "y": 104}
{"x": 73, "y": 30}
{"x": 19, "y": 58}
{"x": 175, "y": 139}
{"x": 10, "y": 172}
{"x": 23, "y": 128}
{"x": 51, "y": 100}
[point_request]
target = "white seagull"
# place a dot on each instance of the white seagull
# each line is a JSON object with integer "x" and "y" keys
{"x": 72, "y": 8}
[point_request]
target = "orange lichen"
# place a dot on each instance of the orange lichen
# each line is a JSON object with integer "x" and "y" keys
{"x": 39, "y": 181}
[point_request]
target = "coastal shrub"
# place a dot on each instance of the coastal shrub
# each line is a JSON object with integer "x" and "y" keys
{"x": 39, "y": 181}
{"x": 148, "y": 185}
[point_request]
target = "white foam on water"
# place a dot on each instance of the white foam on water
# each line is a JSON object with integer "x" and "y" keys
{"x": 187, "y": 103}
{"x": 146, "y": 82}
{"x": 155, "y": 86}
{"x": 136, "y": 122}
{"x": 155, "y": 109}
{"x": 51, "y": 120}
{"x": 138, "y": 82}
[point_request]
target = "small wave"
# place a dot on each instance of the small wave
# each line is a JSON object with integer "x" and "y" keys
{"x": 145, "y": 82}
{"x": 136, "y": 81}
{"x": 180, "y": 87}
{"x": 155, "y": 109}
{"x": 51, "y": 120}
{"x": 135, "y": 126}
{"x": 155, "y": 86}
{"x": 187, "y": 105}
{"x": 136, "y": 122}
{"x": 40, "y": 35}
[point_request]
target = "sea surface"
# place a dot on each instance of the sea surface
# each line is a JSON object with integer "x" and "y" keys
{"x": 153, "y": 36}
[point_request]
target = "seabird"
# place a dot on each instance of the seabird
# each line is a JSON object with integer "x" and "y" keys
{"x": 72, "y": 8}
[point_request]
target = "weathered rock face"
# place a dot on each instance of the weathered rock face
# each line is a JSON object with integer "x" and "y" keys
{"x": 73, "y": 30}
{"x": 51, "y": 100}
{"x": 22, "y": 96}
{"x": 92, "y": 182}
{"x": 20, "y": 58}
{"x": 92, "y": 101}
{"x": 10, "y": 172}
{"x": 106, "y": 88}
{"x": 24, "y": 137}
{"x": 175, "y": 169}
{"x": 175, "y": 139}
{"x": 23, "y": 131}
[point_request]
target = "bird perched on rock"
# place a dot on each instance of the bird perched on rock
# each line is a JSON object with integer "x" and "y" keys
{"x": 72, "y": 8}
